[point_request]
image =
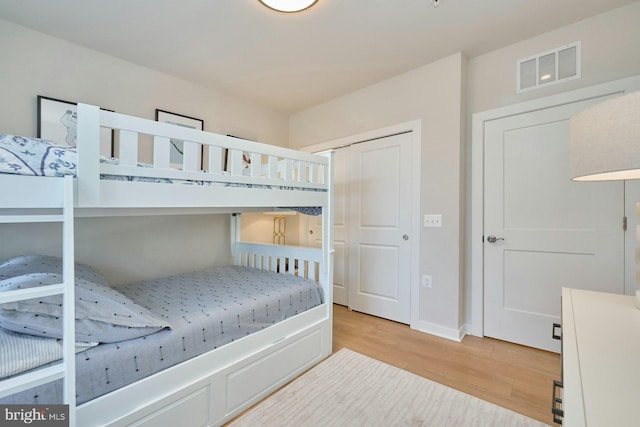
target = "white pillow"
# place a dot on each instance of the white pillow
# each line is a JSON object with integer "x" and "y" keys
{"x": 25, "y": 264}
{"x": 102, "y": 313}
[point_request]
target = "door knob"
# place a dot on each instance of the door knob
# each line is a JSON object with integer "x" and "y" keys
{"x": 493, "y": 239}
{"x": 405, "y": 237}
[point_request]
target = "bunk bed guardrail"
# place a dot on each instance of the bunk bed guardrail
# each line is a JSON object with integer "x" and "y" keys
{"x": 226, "y": 160}
{"x": 304, "y": 262}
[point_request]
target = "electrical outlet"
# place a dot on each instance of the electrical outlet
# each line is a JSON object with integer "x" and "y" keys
{"x": 426, "y": 281}
{"x": 433, "y": 220}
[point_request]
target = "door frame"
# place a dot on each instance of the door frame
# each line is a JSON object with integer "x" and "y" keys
{"x": 415, "y": 127}
{"x": 478, "y": 121}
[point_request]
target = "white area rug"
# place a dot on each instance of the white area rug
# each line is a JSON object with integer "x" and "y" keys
{"x": 349, "y": 389}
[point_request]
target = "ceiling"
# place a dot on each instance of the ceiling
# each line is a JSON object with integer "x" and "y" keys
{"x": 290, "y": 62}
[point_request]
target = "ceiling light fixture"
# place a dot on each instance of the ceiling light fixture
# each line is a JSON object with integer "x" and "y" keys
{"x": 288, "y": 6}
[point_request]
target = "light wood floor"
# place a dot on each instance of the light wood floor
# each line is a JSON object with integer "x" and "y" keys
{"x": 513, "y": 376}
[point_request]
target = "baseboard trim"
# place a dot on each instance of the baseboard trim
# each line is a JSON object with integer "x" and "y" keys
{"x": 441, "y": 331}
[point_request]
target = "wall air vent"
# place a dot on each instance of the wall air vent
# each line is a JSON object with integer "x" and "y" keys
{"x": 550, "y": 67}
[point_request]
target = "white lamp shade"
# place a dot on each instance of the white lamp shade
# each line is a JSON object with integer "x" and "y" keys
{"x": 288, "y": 5}
{"x": 605, "y": 140}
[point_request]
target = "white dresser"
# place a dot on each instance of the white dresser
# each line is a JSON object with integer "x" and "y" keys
{"x": 600, "y": 359}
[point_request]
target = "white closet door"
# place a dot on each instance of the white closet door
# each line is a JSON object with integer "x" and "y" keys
{"x": 379, "y": 225}
{"x": 551, "y": 232}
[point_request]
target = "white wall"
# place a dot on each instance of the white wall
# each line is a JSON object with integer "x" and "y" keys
{"x": 36, "y": 64}
{"x": 127, "y": 248}
{"x": 610, "y": 46}
{"x": 433, "y": 95}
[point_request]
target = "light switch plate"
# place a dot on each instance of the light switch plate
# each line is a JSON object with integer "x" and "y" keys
{"x": 433, "y": 220}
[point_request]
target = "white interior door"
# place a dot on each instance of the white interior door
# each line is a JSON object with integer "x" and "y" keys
{"x": 551, "y": 232}
{"x": 379, "y": 222}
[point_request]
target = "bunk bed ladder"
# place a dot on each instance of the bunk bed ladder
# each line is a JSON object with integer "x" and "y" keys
{"x": 66, "y": 368}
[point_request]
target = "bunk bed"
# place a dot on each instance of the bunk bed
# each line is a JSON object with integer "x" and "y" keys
{"x": 227, "y": 375}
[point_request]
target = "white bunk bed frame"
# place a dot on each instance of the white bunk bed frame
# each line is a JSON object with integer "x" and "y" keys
{"x": 214, "y": 387}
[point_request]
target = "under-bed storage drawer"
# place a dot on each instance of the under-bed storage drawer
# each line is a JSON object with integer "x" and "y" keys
{"x": 252, "y": 380}
{"x": 228, "y": 392}
{"x": 191, "y": 410}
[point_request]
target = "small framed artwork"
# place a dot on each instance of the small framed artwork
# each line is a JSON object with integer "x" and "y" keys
{"x": 58, "y": 122}
{"x": 177, "y": 146}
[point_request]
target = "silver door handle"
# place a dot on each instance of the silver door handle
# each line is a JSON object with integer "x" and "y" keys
{"x": 493, "y": 239}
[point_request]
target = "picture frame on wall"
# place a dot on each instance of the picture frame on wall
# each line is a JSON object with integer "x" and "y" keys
{"x": 58, "y": 122}
{"x": 177, "y": 146}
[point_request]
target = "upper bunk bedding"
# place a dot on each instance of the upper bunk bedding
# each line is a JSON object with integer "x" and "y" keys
{"x": 196, "y": 312}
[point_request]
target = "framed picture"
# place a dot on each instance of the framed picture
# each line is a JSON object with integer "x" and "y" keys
{"x": 58, "y": 122}
{"x": 177, "y": 146}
